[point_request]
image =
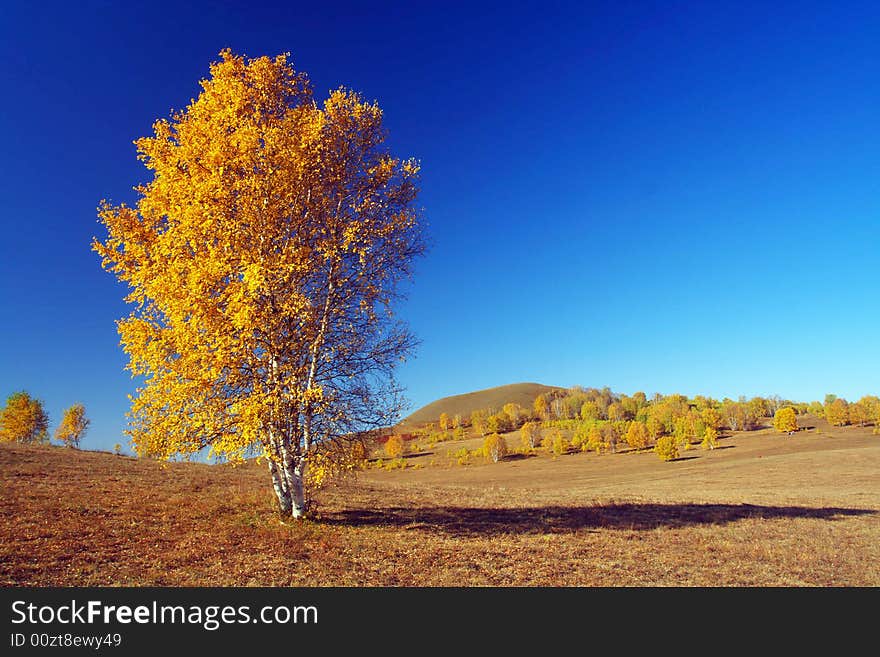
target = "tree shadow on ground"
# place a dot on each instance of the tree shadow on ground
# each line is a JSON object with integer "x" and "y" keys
{"x": 483, "y": 521}
{"x": 518, "y": 456}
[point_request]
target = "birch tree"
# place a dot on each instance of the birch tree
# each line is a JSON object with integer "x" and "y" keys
{"x": 264, "y": 258}
{"x": 23, "y": 419}
{"x": 74, "y": 425}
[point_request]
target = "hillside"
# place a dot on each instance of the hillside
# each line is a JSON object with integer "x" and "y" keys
{"x": 523, "y": 394}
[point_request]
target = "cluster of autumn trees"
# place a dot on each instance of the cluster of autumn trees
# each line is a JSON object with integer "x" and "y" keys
{"x": 23, "y": 419}
{"x": 839, "y": 412}
{"x": 599, "y": 420}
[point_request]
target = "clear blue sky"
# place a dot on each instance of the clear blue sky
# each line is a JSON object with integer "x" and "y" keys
{"x": 666, "y": 197}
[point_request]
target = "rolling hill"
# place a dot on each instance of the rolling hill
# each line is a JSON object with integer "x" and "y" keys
{"x": 523, "y": 394}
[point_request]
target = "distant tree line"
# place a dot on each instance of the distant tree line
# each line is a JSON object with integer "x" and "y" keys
{"x": 599, "y": 420}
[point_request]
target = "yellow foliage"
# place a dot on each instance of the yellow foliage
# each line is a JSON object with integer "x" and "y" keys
{"x": 495, "y": 447}
{"x": 74, "y": 425}
{"x": 637, "y": 435}
{"x": 785, "y": 420}
{"x": 594, "y": 441}
{"x": 655, "y": 427}
{"x": 837, "y": 412}
{"x": 395, "y": 447}
{"x": 710, "y": 438}
{"x": 261, "y": 258}
{"x": 23, "y": 420}
{"x": 530, "y": 435}
{"x": 711, "y": 418}
{"x": 556, "y": 443}
{"x": 667, "y": 448}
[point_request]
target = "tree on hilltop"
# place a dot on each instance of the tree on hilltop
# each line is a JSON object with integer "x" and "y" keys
{"x": 74, "y": 425}
{"x": 24, "y": 420}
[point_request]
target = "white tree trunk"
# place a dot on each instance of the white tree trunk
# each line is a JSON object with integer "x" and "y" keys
{"x": 297, "y": 495}
{"x": 289, "y": 489}
{"x": 279, "y": 483}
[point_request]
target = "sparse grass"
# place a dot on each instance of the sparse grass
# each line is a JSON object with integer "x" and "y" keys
{"x": 760, "y": 510}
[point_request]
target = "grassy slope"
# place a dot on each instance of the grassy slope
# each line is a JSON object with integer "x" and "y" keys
{"x": 765, "y": 510}
{"x": 523, "y": 394}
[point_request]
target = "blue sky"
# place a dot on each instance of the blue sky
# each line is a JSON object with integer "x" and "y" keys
{"x": 666, "y": 197}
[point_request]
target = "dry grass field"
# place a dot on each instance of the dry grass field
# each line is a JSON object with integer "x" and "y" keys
{"x": 762, "y": 510}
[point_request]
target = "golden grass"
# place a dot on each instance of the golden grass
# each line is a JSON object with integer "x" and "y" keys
{"x": 765, "y": 511}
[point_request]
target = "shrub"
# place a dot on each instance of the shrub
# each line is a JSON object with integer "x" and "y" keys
{"x": 495, "y": 447}
{"x": 785, "y": 420}
{"x": 667, "y": 448}
{"x": 394, "y": 447}
{"x": 462, "y": 456}
{"x": 710, "y": 438}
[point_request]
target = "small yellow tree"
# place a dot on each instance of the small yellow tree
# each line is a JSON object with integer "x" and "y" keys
{"x": 478, "y": 422}
{"x": 616, "y": 412}
{"x": 530, "y": 434}
{"x": 711, "y": 418}
{"x": 495, "y": 447}
{"x": 594, "y": 441}
{"x": 542, "y": 407}
{"x": 785, "y": 420}
{"x": 555, "y": 443}
{"x": 498, "y": 423}
{"x": 395, "y": 447}
{"x": 444, "y": 421}
{"x": 637, "y": 435}
{"x": 589, "y": 411}
{"x": 667, "y": 448}
{"x": 837, "y": 412}
{"x": 24, "y": 420}
{"x": 73, "y": 426}
{"x": 710, "y": 438}
{"x": 655, "y": 427}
